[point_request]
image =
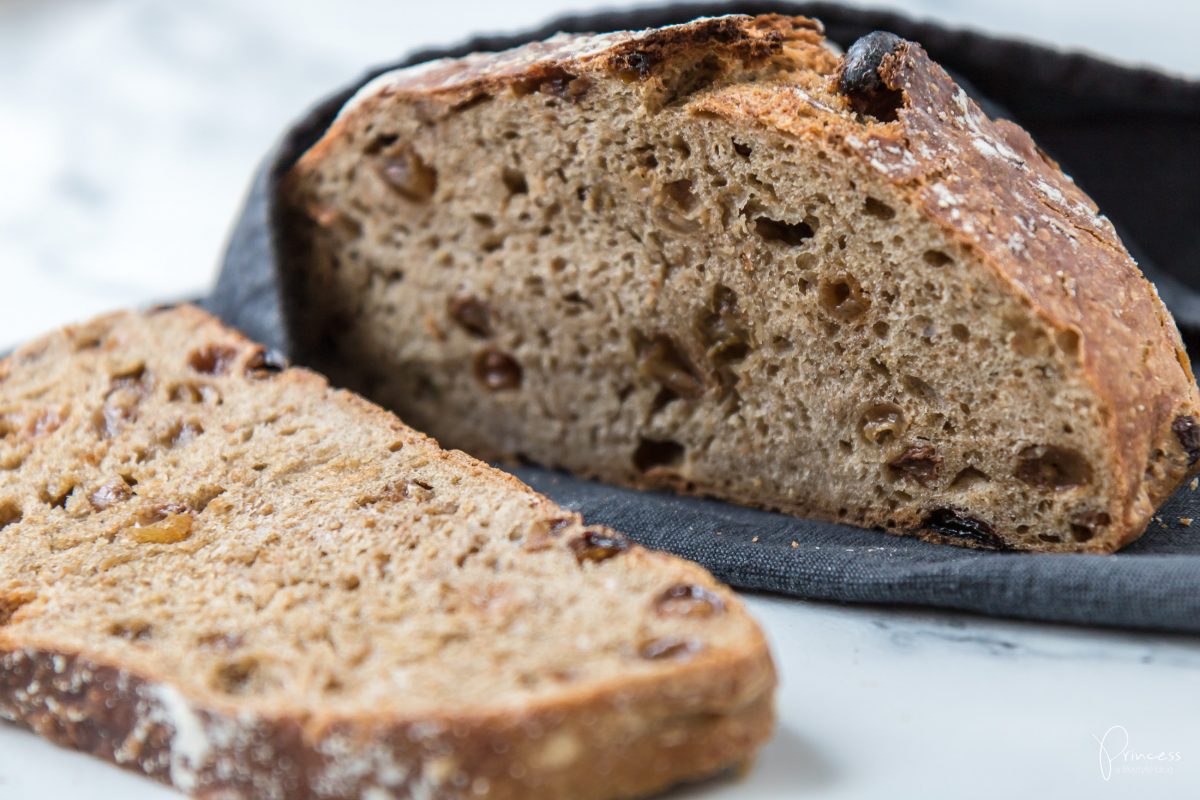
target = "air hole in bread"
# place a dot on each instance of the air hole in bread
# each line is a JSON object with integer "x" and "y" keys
{"x": 1087, "y": 525}
{"x": 692, "y": 79}
{"x": 10, "y": 513}
{"x": 1082, "y": 533}
{"x": 662, "y": 399}
{"x": 190, "y": 392}
{"x": 380, "y": 143}
{"x": 1068, "y": 341}
{"x": 721, "y": 329}
{"x": 241, "y": 677}
{"x": 11, "y": 601}
{"x": 1051, "y": 467}
{"x": 960, "y": 332}
{"x": 844, "y": 298}
{"x": 881, "y": 329}
{"x": 936, "y": 258}
{"x": 655, "y": 454}
{"x": 661, "y": 359}
{"x": 181, "y": 433}
{"x": 878, "y": 209}
{"x": 968, "y": 478}
{"x": 742, "y": 149}
{"x": 131, "y": 630}
{"x": 919, "y": 388}
{"x": 681, "y": 193}
{"x": 56, "y": 496}
{"x": 514, "y": 181}
{"x": 789, "y": 233}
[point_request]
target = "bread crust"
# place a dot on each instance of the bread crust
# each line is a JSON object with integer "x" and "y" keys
{"x": 706, "y": 713}
{"x": 612, "y": 737}
{"x": 983, "y": 182}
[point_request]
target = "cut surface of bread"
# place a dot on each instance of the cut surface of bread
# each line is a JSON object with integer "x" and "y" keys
{"x": 721, "y": 258}
{"x": 229, "y": 576}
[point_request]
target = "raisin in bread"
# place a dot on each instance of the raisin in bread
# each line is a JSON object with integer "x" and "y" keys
{"x": 233, "y": 578}
{"x": 719, "y": 257}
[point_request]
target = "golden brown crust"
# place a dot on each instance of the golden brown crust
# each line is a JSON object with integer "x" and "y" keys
{"x": 988, "y": 183}
{"x": 625, "y": 741}
{"x": 984, "y": 182}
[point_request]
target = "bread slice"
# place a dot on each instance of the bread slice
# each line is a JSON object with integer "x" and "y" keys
{"x": 231, "y": 577}
{"x": 721, "y": 258}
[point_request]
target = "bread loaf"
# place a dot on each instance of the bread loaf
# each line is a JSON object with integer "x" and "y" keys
{"x": 233, "y": 578}
{"x": 722, "y": 258}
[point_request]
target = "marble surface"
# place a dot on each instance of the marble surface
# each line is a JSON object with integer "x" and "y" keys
{"x": 127, "y": 132}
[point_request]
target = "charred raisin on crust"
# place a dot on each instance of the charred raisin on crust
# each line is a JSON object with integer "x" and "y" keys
{"x": 956, "y": 525}
{"x": 1187, "y": 431}
{"x": 861, "y": 82}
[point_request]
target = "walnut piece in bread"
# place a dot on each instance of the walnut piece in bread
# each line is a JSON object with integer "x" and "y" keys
{"x": 720, "y": 258}
{"x": 233, "y": 578}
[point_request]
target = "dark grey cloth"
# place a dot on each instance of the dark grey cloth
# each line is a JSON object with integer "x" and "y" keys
{"x": 1128, "y": 135}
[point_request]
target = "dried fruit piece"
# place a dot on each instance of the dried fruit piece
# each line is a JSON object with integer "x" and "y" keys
{"x": 599, "y": 544}
{"x": 407, "y": 173}
{"x": 688, "y": 600}
{"x": 882, "y": 422}
{"x": 545, "y": 532}
{"x": 1187, "y": 431}
{"x": 166, "y": 524}
{"x": 111, "y": 493}
{"x": 125, "y": 395}
{"x": 920, "y": 462}
{"x": 265, "y": 363}
{"x": 472, "y": 314}
{"x": 497, "y": 370}
{"x": 951, "y": 523}
{"x": 860, "y": 80}
{"x": 213, "y": 359}
{"x": 666, "y": 647}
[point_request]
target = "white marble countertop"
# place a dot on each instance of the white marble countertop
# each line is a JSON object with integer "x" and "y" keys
{"x": 128, "y": 129}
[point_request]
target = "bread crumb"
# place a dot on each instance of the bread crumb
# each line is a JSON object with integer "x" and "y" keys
{"x": 795, "y": 544}
{"x": 755, "y": 539}
{"x": 1195, "y": 482}
{"x": 1185, "y": 522}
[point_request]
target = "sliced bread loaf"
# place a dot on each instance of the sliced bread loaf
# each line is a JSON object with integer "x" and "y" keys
{"x": 229, "y": 576}
{"x": 722, "y": 258}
